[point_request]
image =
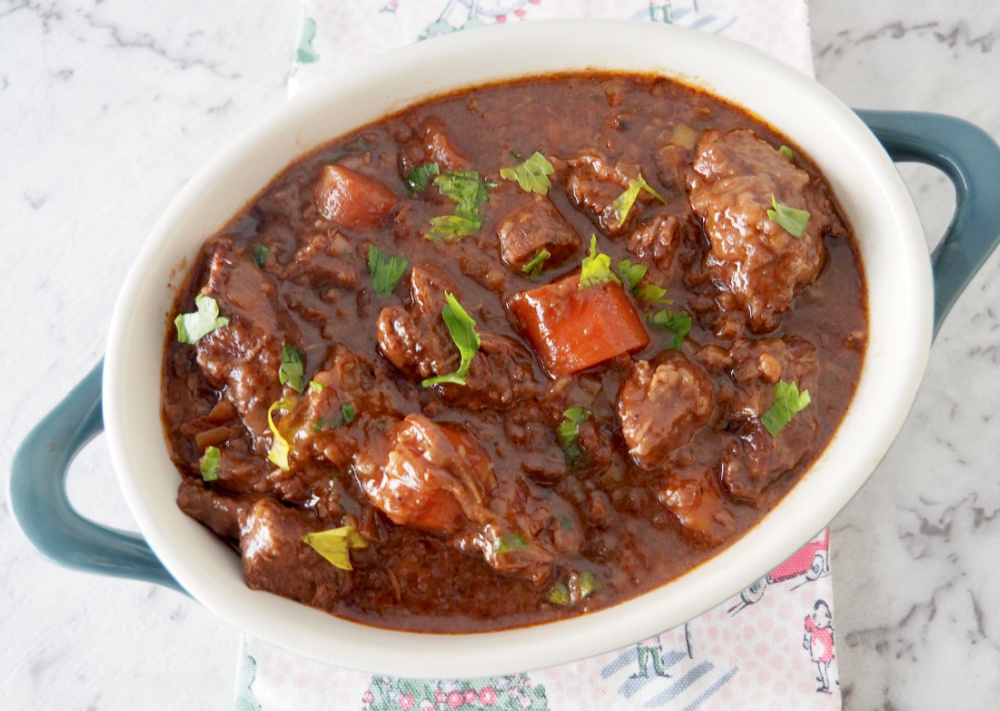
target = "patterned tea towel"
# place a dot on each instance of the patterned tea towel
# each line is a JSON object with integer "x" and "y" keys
{"x": 770, "y": 647}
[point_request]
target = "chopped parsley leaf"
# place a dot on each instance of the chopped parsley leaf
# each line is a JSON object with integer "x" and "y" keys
{"x": 462, "y": 329}
{"x": 386, "y": 270}
{"x": 791, "y": 220}
{"x": 260, "y": 253}
{"x": 632, "y": 273}
{"x": 532, "y": 175}
{"x": 347, "y": 413}
{"x": 787, "y": 402}
{"x": 568, "y": 433}
{"x": 511, "y": 542}
{"x": 192, "y": 327}
{"x": 417, "y": 179}
{"x": 559, "y": 595}
{"x": 588, "y": 584}
{"x": 210, "y": 464}
{"x": 317, "y": 386}
{"x": 677, "y": 323}
{"x": 292, "y": 371}
{"x": 515, "y": 153}
{"x": 537, "y": 263}
{"x": 335, "y": 545}
{"x": 596, "y": 268}
{"x": 651, "y": 293}
{"x": 278, "y": 454}
{"x": 787, "y": 152}
{"x": 465, "y": 188}
{"x": 624, "y": 202}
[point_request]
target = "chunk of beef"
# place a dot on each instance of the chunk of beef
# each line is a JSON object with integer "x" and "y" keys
{"x": 352, "y": 199}
{"x": 754, "y": 459}
{"x": 417, "y": 342}
{"x": 321, "y": 263}
{"x": 593, "y": 184}
{"x": 535, "y": 226}
{"x": 219, "y": 512}
{"x": 438, "y": 478}
{"x": 656, "y": 242}
{"x": 693, "y": 495}
{"x": 432, "y": 144}
{"x": 753, "y": 257}
{"x": 662, "y": 407}
{"x": 351, "y": 393}
{"x": 270, "y": 538}
{"x": 276, "y": 559}
{"x": 245, "y": 355}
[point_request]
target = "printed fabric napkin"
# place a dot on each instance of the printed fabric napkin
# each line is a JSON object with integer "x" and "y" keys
{"x": 770, "y": 647}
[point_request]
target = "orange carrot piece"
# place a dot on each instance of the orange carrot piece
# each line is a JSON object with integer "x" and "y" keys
{"x": 572, "y": 329}
{"x": 351, "y": 199}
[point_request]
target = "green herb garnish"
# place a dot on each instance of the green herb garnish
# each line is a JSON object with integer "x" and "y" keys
{"x": 335, "y": 545}
{"x": 624, "y": 202}
{"x": 386, "y": 269}
{"x": 260, "y": 253}
{"x": 793, "y": 221}
{"x": 787, "y": 152}
{"x": 537, "y": 263}
{"x": 292, "y": 371}
{"x": 532, "y": 175}
{"x": 462, "y": 328}
{"x": 347, "y": 413}
{"x": 210, "y": 464}
{"x": 192, "y": 327}
{"x": 465, "y": 188}
{"x": 317, "y": 386}
{"x": 596, "y": 268}
{"x": 632, "y": 273}
{"x": 559, "y": 595}
{"x": 568, "y": 433}
{"x": 511, "y": 542}
{"x": 677, "y": 323}
{"x": 278, "y": 454}
{"x": 589, "y": 584}
{"x": 652, "y": 294}
{"x": 417, "y": 179}
{"x": 787, "y": 402}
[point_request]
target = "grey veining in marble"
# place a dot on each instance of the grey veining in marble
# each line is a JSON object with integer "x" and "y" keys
{"x": 107, "y": 107}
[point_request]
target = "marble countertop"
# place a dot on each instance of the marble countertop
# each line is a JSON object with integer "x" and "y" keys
{"x": 108, "y": 107}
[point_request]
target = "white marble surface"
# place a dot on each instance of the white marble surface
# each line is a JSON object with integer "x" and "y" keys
{"x": 107, "y": 107}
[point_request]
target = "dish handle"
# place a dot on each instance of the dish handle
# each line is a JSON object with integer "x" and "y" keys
{"x": 42, "y": 508}
{"x": 971, "y": 160}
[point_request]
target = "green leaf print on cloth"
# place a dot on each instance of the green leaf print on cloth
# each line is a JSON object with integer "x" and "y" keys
{"x": 502, "y": 693}
{"x": 305, "y": 54}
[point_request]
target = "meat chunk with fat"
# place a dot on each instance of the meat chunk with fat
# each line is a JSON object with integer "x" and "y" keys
{"x": 754, "y": 458}
{"x": 325, "y": 261}
{"x": 428, "y": 476}
{"x": 438, "y": 478}
{"x": 245, "y": 355}
{"x": 534, "y": 227}
{"x": 417, "y": 342}
{"x": 736, "y": 173}
{"x": 662, "y": 406}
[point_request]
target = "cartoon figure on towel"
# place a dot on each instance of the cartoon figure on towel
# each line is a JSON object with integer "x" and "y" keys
{"x": 650, "y": 650}
{"x": 818, "y": 640}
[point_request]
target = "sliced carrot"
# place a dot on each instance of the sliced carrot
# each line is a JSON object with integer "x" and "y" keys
{"x": 351, "y": 199}
{"x": 572, "y": 329}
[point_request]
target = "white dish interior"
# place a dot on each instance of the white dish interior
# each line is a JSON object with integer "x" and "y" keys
{"x": 863, "y": 178}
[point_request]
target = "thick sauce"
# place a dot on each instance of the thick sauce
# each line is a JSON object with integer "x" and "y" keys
{"x": 495, "y": 503}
